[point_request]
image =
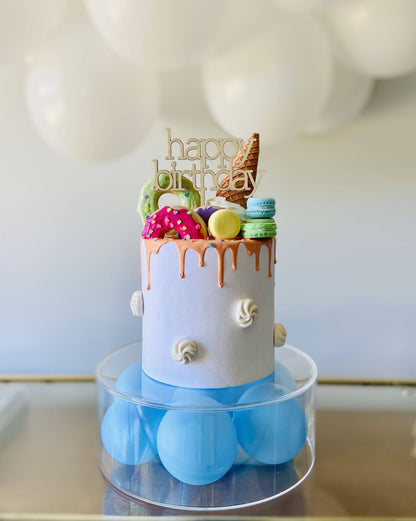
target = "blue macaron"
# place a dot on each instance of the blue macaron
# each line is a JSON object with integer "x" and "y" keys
{"x": 261, "y": 207}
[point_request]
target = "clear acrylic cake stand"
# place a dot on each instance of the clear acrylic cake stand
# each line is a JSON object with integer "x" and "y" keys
{"x": 248, "y": 482}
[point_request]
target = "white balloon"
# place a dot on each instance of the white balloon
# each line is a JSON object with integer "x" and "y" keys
{"x": 301, "y": 6}
{"x": 87, "y": 102}
{"x": 26, "y": 23}
{"x": 350, "y": 92}
{"x": 14, "y": 118}
{"x": 377, "y": 37}
{"x": 273, "y": 82}
{"x": 167, "y": 34}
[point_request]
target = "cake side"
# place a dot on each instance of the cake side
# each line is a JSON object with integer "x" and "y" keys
{"x": 208, "y": 311}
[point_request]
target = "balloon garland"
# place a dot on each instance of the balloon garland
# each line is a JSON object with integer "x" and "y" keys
{"x": 285, "y": 68}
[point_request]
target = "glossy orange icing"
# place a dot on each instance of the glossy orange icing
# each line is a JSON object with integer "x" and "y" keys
{"x": 200, "y": 246}
{"x": 152, "y": 246}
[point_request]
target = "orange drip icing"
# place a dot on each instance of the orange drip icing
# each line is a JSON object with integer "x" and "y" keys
{"x": 200, "y": 246}
{"x": 151, "y": 247}
{"x": 220, "y": 247}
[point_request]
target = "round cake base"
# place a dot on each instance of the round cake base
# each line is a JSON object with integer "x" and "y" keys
{"x": 138, "y": 418}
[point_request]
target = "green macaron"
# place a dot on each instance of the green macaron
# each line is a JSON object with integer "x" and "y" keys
{"x": 258, "y": 228}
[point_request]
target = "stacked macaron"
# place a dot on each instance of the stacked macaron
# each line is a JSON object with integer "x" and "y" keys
{"x": 261, "y": 207}
{"x": 224, "y": 224}
{"x": 260, "y": 224}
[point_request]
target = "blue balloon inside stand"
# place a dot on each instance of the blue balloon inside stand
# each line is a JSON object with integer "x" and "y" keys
{"x": 284, "y": 377}
{"x": 130, "y": 380}
{"x": 156, "y": 392}
{"x": 160, "y": 392}
{"x": 134, "y": 382}
{"x": 271, "y": 434}
{"x": 128, "y": 430}
{"x": 124, "y": 436}
{"x": 197, "y": 447}
{"x": 200, "y": 447}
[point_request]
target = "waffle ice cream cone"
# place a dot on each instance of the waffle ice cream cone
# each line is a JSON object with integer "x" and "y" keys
{"x": 240, "y": 196}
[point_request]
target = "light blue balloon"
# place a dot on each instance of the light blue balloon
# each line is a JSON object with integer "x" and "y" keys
{"x": 196, "y": 397}
{"x": 234, "y": 393}
{"x": 271, "y": 434}
{"x": 130, "y": 380}
{"x": 124, "y": 435}
{"x": 129, "y": 431}
{"x": 284, "y": 377}
{"x": 163, "y": 393}
{"x": 197, "y": 447}
{"x": 155, "y": 391}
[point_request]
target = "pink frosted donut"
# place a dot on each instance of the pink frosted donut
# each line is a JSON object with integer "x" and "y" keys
{"x": 186, "y": 222}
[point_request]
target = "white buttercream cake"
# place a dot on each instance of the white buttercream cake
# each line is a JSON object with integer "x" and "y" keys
{"x": 212, "y": 325}
{"x": 207, "y": 276}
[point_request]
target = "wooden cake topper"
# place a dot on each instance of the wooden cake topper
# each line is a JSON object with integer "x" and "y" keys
{"x": 235, "y": 175}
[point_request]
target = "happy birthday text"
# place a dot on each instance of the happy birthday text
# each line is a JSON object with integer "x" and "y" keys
{"x": 201, "y": 151}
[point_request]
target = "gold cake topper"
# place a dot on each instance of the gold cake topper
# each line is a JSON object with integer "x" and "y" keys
{"x": 236, "y": 169}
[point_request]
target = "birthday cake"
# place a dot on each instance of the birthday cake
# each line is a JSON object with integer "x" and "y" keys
{"x": 208, "y": 330}
{"x": 207, "y": 295}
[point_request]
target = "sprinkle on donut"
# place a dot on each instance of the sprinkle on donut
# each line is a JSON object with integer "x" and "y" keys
{"x": 187, "y": 223}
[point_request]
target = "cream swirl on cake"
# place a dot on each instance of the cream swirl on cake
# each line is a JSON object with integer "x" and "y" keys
{"x": 136, "y": 303}
{"x": 184, "y": 351}
{"x": 246, "y": 312}
{"x": 279, "y": 335}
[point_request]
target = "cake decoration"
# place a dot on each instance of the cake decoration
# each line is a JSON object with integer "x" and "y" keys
{"x": 245, "y": 160}
{"x": 184, "y": 351}
{"x": 219, "y": 245}
{"x": 258, "y": 228}
{"x": 236, "y": 169}
{"x": 136, "y": 303}
{"x": 246, "y": 312}
{"x": 187, "y": 223}
{"x": 261, "y": 207}
{"x": 149, "y": 195}
{"x": 206, "y": 212}
{"x": 224, "y": 224}
{"x": 279, "y": 335}
{"x": 221, "y": 202}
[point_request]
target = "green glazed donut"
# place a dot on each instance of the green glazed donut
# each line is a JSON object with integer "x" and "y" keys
{"x": 149, "y": 197}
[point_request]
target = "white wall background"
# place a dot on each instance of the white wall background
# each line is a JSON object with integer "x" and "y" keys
{"x": 69, "y": 236}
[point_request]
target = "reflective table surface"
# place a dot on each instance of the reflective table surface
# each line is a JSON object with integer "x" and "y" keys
{"x": 365, "y": 457}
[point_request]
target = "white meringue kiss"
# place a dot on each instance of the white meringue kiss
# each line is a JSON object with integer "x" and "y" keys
{"x": 136, "y": 303}
{"x": 279, "y": 335}
{"x": 246, "y": 312}
{"x": 184, "y": 351}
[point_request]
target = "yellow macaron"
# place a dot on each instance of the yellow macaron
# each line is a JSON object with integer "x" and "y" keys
{"x": 224, "y": 224}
